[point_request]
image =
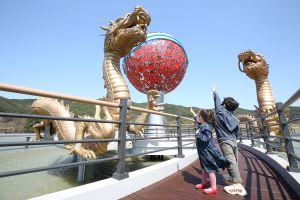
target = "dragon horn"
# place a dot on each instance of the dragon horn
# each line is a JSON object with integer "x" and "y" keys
{"x": 239, "y": 64}
{"x": 104, "y": 28}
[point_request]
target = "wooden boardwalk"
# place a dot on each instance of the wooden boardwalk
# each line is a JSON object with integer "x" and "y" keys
{"x": 260, "y": 181}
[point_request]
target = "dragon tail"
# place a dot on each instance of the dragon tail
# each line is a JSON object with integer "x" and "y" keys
{"x": 51, "y": 107}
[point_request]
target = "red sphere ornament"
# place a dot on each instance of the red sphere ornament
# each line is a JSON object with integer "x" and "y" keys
{"x": 158, "y": 63}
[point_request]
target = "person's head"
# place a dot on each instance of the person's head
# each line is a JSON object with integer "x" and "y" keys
{"x": 230, "y": 104}
{"x": 206, "y": 115}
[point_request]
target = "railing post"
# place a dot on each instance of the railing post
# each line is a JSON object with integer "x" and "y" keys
{"x": 47, "y": 132}
{"x": 266, "y": 135}
{"x": 240, "y": 135}
{"x": 27, "y": 140}
{"x": 247, "y": 129}
{"x": 121, "y": 171}
{"x": 251, "y": 134}
{"x": 81, "y": 170}
{"x": 179, "y": 136}
{"x": 286, "y": 136}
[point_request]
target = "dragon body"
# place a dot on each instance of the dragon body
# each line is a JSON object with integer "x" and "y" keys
{"x": 121, "y": 36}
{"x": 256, "y": 68}
{"x": 53, "y": 107}
{"x": 254, "y": 125}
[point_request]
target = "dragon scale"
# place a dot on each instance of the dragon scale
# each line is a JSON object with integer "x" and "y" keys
{"x": 266, "y": 102}
{"x": 114, "y": 82}
{"x": 265, "y": 96}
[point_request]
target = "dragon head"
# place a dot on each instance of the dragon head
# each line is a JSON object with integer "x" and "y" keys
{"x": 152, "y": 96}
{"x": 125, "y": 33}
{"x": 254, "y": 65}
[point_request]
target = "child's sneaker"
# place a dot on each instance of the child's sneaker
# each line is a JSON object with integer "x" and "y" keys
{"x": 236, "y": 188}
{"x": 201, "y": 186}
{"x": 210, "y": 191}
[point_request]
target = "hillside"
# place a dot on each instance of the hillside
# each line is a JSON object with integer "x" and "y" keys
{"x": 24, "y": 106}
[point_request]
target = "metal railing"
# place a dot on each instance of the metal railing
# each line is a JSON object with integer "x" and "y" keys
{"x": 14, "y": 131}
{"x": 120, "y": 173}
{"x": 284, "y": 142}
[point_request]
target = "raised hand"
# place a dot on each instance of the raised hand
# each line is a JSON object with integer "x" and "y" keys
{"x": 213, "y": 88}
{"x": 192, "y": 111}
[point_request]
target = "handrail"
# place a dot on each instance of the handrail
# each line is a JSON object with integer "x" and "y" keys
{"x": 6, "y": 144}
{"x": 57, "y": 118}
{"x": 150, "y": 111}
{"x": 291, "y": 100}
{"x": 187, "y": 118}
{"x": 293, "y": 120}
{"x": 294, "y": 156}
{"x": 269, "y": 114}
{"x": 294, "y": 140}
{"x": 156, "y": 112}
{"x": 30, "y": 91}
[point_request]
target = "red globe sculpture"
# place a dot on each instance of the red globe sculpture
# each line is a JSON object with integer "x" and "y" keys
{"x": 158, "y": 63}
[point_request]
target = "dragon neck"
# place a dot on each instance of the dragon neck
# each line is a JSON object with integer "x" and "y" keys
{"x": 114, "y": 82}
{"x": 265, "y": 96}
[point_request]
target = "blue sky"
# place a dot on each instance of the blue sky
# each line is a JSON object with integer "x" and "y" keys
{"x": 57, "y": 45}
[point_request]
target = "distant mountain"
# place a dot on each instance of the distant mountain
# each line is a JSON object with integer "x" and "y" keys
{"x": 15, "y": 105}
{"x": 24, "y": 106}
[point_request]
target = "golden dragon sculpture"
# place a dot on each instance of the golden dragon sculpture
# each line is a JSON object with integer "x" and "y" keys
{"x": 256, "y": 68}
{"x": 254, "y": 125}
{"x": 121, "y": 36}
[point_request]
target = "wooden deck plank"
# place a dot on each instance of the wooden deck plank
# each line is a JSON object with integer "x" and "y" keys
{"x": 260, "y": 181}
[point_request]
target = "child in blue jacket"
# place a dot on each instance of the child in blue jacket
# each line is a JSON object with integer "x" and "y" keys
{"x": 227, "y": 129}
{"x": 211, "y": 160}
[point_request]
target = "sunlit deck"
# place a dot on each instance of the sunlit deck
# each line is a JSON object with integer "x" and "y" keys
{"x": 261, "y": 181}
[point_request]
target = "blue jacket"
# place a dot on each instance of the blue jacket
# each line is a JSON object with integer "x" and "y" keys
{"x": 211, "y": 160}
{"x": 227, "y": 125}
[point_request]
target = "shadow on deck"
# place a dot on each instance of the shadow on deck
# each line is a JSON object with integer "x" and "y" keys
{"x": 260, "y": 180}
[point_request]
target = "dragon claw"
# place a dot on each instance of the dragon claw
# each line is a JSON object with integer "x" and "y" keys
{"x": 79, "y": 150}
